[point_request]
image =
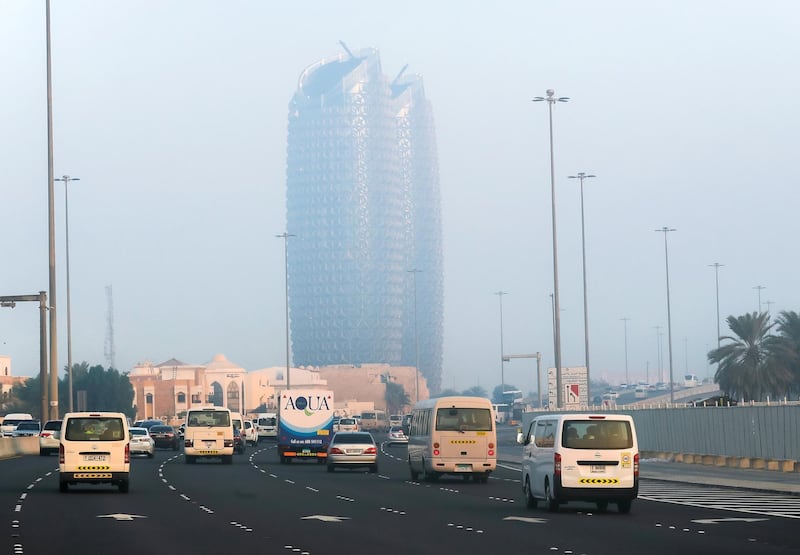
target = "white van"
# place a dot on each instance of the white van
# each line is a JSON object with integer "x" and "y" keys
{"x": 580, "y": 457}
{"x": 94, "y": 448}
{"x": 10, "y": 422}
{"x": 208, "y": 433}
{"x": 267, "y": 425}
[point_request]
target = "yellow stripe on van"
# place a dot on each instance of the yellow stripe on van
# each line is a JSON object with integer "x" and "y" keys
{"x": 462, "y": 441}
{"x": 104, "y": 467}
{"x": 600, "y": 481}
{"x": 91, "y": 475}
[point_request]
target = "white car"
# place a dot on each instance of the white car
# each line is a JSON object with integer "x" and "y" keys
{"x": 27, "y": 428}
{"x": 250, "y": 432}
{"x": 49, "y": 437}
{"x": 142, "y": 443}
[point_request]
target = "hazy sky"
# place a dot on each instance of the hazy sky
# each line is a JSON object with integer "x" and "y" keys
{"x": 174, "y": 116}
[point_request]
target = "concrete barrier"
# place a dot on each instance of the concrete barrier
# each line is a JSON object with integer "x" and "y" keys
{"x": 18, "y": 446}
{"x": 776, "y": 465}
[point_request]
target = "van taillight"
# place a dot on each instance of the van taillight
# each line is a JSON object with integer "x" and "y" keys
{"x": 436, "y": 451}
{"x": 61, "y": 454}
{"x": 127, "y": 453}
{"x": 557, "y": 464}
{"x": 636, "y": 465}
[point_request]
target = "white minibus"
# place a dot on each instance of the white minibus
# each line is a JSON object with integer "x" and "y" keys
{"x": 208, "y": 433}
{"x": 580, "y": 457}
{"x": 453, "y": 435}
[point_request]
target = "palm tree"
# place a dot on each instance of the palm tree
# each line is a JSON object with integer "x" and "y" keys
{"x": 396, "y": 398}
{"x": 748, "y": 368}
{"x": 789, "y": 342}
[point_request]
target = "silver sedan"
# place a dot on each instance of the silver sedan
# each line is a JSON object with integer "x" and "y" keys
{"x": 353, "y": 449}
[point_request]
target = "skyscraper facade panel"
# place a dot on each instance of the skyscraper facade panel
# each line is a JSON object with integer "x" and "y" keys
{"x": 363, "y": 207}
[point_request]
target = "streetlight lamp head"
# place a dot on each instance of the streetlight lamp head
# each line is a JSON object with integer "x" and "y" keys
{"x": 550, "y": 93}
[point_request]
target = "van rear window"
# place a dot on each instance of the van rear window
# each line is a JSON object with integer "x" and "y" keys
{"x": 597, "y": 434}
{"x": 206, "y": 418}
{"x": 94, "y": 429}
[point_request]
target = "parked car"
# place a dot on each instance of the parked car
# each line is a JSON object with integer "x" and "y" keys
{"x": 397, "y": 435}
{"x": 239, "y": 443}
{"x": 165, "y": 436}
{"x": 353, "y": 449}
{"x": 49, "y": 437}
{"x": 141, "y": 442}
{"x": 27, "y": 428}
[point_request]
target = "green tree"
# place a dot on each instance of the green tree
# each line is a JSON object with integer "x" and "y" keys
{"x": 107, "y": 390}
{"x": 497, "y": 393}
{"x": 749, "y": 364}
{"x": 447, "y": 393}
{"x": 788, "y": 325}
{"x": 475, "y": 391}
{"x": 396, "y": 398}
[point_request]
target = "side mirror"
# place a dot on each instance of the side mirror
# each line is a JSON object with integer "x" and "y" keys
{"x": 520, "y": 437}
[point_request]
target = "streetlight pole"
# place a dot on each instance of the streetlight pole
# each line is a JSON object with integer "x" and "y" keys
{"x": 67, "y": 179}
{"x": 552, "y": 99}
{"x": 759, "y": 287}
{"x": 625, "y": 321}
{"x": 285, "y": 236}
{"x": 716, "y": 266}
{"x": 414, "y": 272}
{"x": 502, "y": 359}
{"x": 665, "y": 230}
{"x": 658, "y": 347}
{"x": 51, "y": 217}
{"x": 582, "y": 176}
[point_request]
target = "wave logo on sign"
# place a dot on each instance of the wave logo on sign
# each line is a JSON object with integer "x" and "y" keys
{"x": 309, "y": 405}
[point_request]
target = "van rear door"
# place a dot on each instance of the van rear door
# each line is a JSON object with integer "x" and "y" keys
{"x": 597, "y": 452}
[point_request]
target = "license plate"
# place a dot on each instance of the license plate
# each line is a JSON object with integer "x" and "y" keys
{"x": 306, "y": 451}
{"x": 353, "y": 451}
{"x": 94, "y": 458}
{"x": 463, "y": 468}
{"x": 597, "y": 468}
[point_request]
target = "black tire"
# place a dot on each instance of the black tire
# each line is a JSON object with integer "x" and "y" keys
{"x": 373, "y": 469}
{"x": 331, "y": 468}
{"x": 63, "y": 487}
{"x": 624, "y": 506}
{"x": 150, "y": 455}
{"x": 44, "y": 453}
{"x": 602, "y": 506}
{"x": 190, "y": 459}
{"x": 227, "y": 459}
{"x": 530, "y": 500}
{"x": 124, "y": 486}
{"x": 414, "y": 473}
{"x": 552, "y": 502}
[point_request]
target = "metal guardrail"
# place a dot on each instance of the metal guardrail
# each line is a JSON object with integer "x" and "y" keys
{"x": 768, "y": 430}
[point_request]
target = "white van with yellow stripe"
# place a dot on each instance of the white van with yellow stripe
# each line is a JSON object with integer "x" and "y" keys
{"x": 94, "y": 448}
{"x": 580, "y": 457}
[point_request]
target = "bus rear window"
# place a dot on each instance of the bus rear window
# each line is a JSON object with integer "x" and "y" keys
{"x": 206, "y": 418}
{"x": 463, "y": 420}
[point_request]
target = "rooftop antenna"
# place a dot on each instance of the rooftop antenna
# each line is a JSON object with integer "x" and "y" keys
{"x": 349, "y": 53}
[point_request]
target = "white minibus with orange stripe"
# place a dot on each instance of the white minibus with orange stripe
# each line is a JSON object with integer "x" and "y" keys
{"x": 452, "y": 435}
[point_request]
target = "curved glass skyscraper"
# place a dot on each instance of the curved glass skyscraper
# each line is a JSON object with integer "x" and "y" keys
{"x": 364, "y": 207}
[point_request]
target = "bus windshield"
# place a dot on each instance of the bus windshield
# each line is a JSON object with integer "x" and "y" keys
{"x": 463, "y": 420}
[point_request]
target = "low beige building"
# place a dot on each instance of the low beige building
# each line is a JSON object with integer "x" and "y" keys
{"x": 165, "y": 391}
